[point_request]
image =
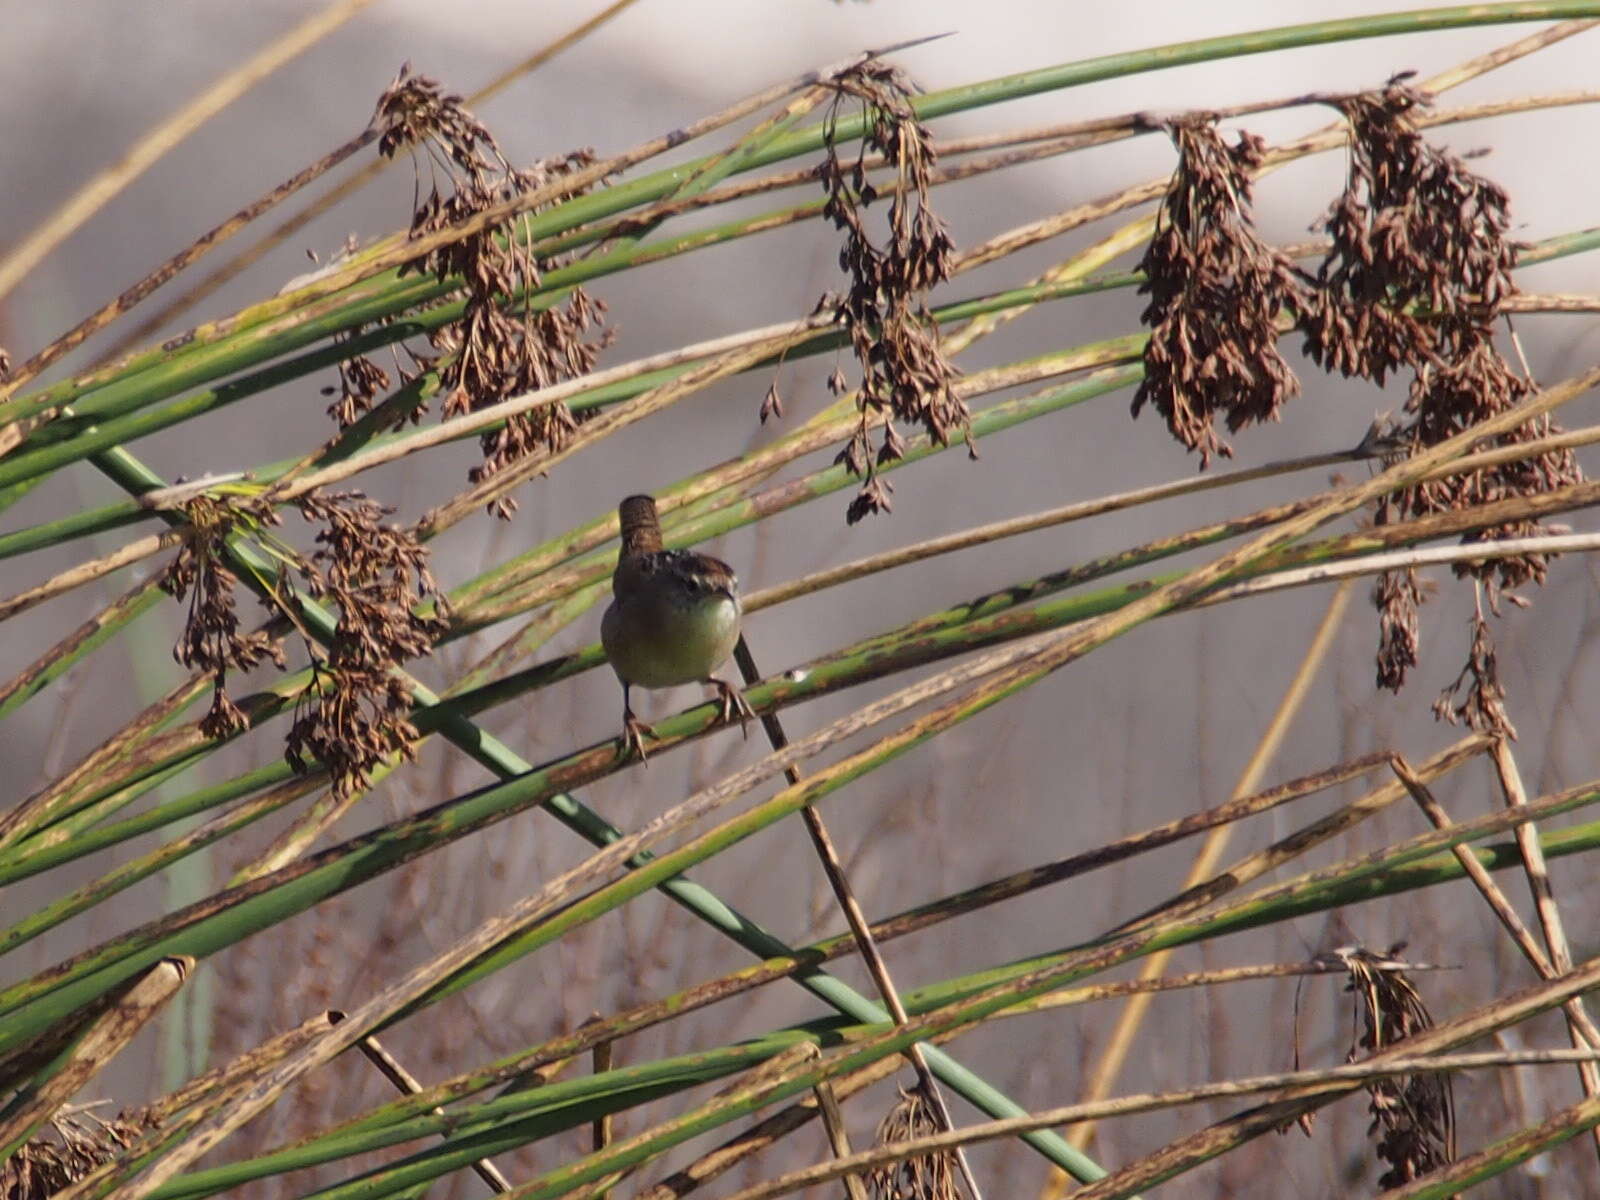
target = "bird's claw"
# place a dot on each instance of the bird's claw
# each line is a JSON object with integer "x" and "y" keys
{"x": 733, "y": 704}
{"x": 634, "y": 732}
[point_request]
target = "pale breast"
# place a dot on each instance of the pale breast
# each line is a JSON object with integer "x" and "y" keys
{"x": 662, "y": 637}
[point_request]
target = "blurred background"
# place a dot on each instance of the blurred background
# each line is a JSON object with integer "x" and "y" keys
{"x": 1155, "y": 725}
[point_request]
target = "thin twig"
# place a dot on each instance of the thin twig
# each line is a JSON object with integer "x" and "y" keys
{"x": 407, "y": 1085}
{"x": 147, "y": 150}
{"x": 623, "y": 415}
{"x": 128, "y": 873}
{"x": 32, "y": 677}
{"x": 860, "y": 928}
{"x": 766, "y": 1132}
{"x": 1014, "y": 526}
{"x": 88, "y": 572}
{"x": 602, "y": 1058}
{"x": 203, "y": 245}
{"x": 1253, "y": 866}
{"x": 1578, "y": 1019}
{"x": 838, "y": 1137}
{"x": 1108, "y": 1066}
{"x": 1492, "y": 60}
{"x": 769, "y": 1130}
{"x": 335, "y": 196}
{"x": 1150, "y": 1102}
{"x": 1580, "y": 1026}
{"x": 1370, "y": 564}
{"x": 95, "y": 1034}
{"x": 51, "y": 802}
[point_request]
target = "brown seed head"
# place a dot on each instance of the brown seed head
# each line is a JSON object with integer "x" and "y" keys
{"x": 357, "y": 714}
{"x": 1419, "y": 263}
{"x": 504, "y": 344}
{"x": 1413, "y": 1116}
{"x": 1216, "y": 291}
{"x": 212, "y": 639}
{"x": 905, "y": 376}
{"x": 1477, "y": 697}
{"x": 928, "y": 1177}
{"x": 67, "y": 1149}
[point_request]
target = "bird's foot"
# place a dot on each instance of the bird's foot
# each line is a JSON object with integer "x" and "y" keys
{"x": 634, "y": 732}
{"x": 733, "y": 704}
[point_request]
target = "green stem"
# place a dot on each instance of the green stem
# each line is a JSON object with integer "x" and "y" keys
{"x": 384, "y": 296}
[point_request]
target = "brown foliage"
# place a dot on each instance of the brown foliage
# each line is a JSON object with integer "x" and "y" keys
{"x": 905, "y": 375}
{"x": 1414, "y": 1115}
{"x": 506, "y": 342}
{"x": 211, "y": 638}
{"x": 356, "y": 714}
{"x": 1217, "y": 292}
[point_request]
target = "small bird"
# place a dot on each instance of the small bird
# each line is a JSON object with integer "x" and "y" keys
{"x": 674, "y": 618}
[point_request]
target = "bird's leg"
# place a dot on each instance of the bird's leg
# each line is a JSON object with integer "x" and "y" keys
{"x": 633, "y": 729}
{"x": 733, "y": 704}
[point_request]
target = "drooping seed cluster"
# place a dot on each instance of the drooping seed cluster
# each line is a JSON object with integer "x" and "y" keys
{"x": 211, "y": 639}
{"x": 1476, "y": 698}
{"x": 354, "y": 716}
{"x": 507, "y": 342}
{"x": 1414, "y": 279}
{"x": 1413, "y": 1115}
{"x": 925, "y": 1177}
{"x": 1217, "y": 294}
{"x": 1419, "y": 266}
{"x": 905, "y": 375}
{"x": 69, "y": 1147}
{"x": 361, "y": 382}
{"x": 355, "y": 713}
